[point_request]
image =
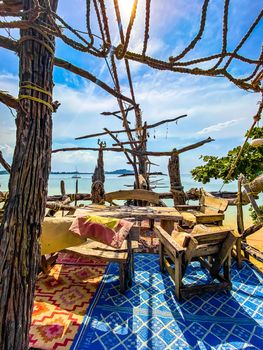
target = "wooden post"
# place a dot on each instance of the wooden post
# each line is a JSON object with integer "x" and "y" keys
{"x": 76, "y": 191}
{"x": 143, "y": 159}
{"x": 62, "y": 188}
{"x": 98, "y": 179}
{"x": 21, "y": 224}
{"x": 249, "y": 193}
{"x": 99, "y": 170}
{"x": 175, "y": 180}
{"x": 240, "y": 223}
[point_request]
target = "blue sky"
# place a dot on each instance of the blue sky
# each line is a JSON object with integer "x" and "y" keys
{"x": 215, "y": 107}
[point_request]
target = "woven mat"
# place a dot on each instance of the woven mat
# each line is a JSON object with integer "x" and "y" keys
{"x": 149, "y": 317}
{"x": 61, "y": 301}
{"x": 70, "y": 258}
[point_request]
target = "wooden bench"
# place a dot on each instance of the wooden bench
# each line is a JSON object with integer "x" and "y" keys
{"x": 90, "y": 248}
{"x": 123, "y": 256}
{"x": 215, "y": 246}
{"x": 210, "y": 210}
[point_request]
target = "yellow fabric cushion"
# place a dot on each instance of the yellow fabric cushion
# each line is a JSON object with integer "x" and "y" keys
{"x": 56, "y": 235}
{"x": 108, "y": 222}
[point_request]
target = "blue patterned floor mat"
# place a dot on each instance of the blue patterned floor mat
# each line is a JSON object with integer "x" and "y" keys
{"x": 148, "y": 316}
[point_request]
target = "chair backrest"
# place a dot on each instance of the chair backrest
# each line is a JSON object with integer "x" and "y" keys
{"x": 143, "y": 195}
{"x": 209, "y": 243}
{"x": 218, "y": 204}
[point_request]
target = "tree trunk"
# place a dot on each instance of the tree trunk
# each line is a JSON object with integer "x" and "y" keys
{"x": 21, "y": 224}
{"x": 175, "y": 180}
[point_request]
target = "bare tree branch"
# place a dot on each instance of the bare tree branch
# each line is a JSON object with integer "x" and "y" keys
{"x": 4, "y": 163}
{"x": 123, "y": 130}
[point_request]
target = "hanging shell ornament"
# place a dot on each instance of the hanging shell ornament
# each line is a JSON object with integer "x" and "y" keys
{"x": 256, "y": 143}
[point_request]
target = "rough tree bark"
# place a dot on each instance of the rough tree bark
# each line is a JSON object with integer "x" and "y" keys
{"x": 175, "y": 180}
{"x": 21, "y": 224}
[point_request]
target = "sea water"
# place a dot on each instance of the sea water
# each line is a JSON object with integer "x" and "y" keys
{"x": 115, "y": 182}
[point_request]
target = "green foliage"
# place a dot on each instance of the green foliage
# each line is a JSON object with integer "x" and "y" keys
{"x": 254, "y": 215}
{"x": 250, "y": 163}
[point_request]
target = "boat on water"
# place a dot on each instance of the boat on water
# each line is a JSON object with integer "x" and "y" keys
{"x": 76, "y": 177}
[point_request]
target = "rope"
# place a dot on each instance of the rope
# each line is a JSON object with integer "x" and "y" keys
{"x": 88, "y": 26}
{"x": 136, "y": 110}
{"x": 247, "y": 35}
{"x": 123, "y": 47}
{"x": 29, "y": 37}
{"x": 99, "y": 20}
{"x": 224, "y": 34}
{"x": 147, "y": 26}
{"x": 233, "y": 166}
{"x": 105, "y": 21}
{"x": 36, "y": 89}
{"x": 197, "y": 37}
{"x": 36, "y": 99}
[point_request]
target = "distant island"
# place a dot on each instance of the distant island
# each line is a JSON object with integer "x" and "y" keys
{"x": 114, "y": 172}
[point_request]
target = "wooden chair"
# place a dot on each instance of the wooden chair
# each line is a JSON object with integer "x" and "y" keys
{"x": 140, "y": 195}
{"x": 216, "y": 246}
{"x": 210, "y": 210}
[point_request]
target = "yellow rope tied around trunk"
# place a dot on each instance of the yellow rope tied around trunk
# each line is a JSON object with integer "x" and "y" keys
{"x": 36, "y": 99}
{"x": 37, "y": 89}
{"x": 21, "y": 97}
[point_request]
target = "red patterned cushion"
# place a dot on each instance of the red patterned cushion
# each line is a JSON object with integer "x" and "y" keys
{"x": 101, "y": 233}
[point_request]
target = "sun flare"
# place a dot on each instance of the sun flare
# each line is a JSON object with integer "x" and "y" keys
{"x": 126, "y": 8}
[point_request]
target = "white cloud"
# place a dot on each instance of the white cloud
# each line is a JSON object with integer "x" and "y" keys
{"x": 217, "y": 127}
{"x": 211, "y": 105}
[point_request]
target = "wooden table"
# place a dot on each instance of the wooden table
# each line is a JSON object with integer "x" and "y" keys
{"x": 166, "y": 215}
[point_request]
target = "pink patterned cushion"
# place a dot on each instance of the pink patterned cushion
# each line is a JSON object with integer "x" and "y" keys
{"x": 101, "y": 233}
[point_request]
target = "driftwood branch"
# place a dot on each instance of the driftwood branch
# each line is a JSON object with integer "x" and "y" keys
{"x": 4, "y": 163}
{"x": 85, "y": 74}
{"x": 126, "y": 143}
{"x": 117, "y": 112}
{"x": 254, "y": 252}
{"x": 8, "y": 44}
{"x": 130, "y": 174}
{"x": 69, "y": 149}
{"x": 256, "y": 187}
{"x": 11, "y": 5}
{"x": 8, "y": 100}
{"x": 132, "y": 130}
{"x": 59, "y": 206}
{"x": 137, "y": 153}
{"x": 13, "y": 46}
{"x": 252, "y": 229}
{"x": 195, "y": 145}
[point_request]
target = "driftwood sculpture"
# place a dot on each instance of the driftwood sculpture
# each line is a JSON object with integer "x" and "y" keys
{"x": 175, "y": 180}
